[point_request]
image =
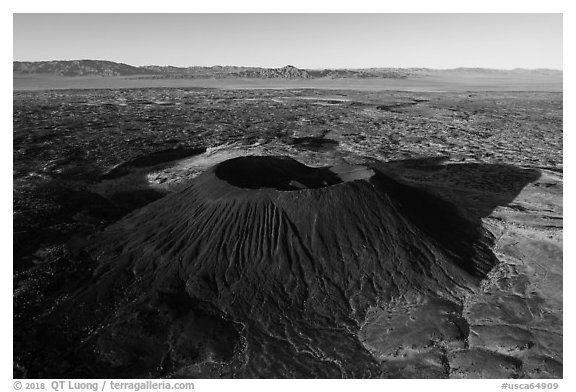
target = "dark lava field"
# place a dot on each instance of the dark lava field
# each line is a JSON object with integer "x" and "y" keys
{"x": 287, "y": 233}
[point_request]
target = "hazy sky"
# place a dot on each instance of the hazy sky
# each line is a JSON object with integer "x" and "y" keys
{"x": 304, "y": 40}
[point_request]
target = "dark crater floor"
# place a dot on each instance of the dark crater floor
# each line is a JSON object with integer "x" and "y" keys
{"x": 283, "y": 173}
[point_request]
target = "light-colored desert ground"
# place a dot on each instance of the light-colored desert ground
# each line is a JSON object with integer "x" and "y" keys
{"x": 435, "y": 83}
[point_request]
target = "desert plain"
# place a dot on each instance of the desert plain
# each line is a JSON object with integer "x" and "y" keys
{"x": 102, "y": 167}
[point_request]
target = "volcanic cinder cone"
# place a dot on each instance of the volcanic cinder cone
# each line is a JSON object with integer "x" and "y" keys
{"x": 264, "y": 267}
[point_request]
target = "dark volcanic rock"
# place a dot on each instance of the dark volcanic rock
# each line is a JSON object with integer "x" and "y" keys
{"x": 315, "y": 143}
{"x": 263, "y": 267}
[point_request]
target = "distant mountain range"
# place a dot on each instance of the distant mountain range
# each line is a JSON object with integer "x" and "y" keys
{"x": 73, "y": 68}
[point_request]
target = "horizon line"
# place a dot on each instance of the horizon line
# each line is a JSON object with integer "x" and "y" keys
{"x": 302, "y": 68}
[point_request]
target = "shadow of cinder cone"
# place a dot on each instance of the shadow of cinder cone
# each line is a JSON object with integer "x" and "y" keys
{"x": 476, "y": 189}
